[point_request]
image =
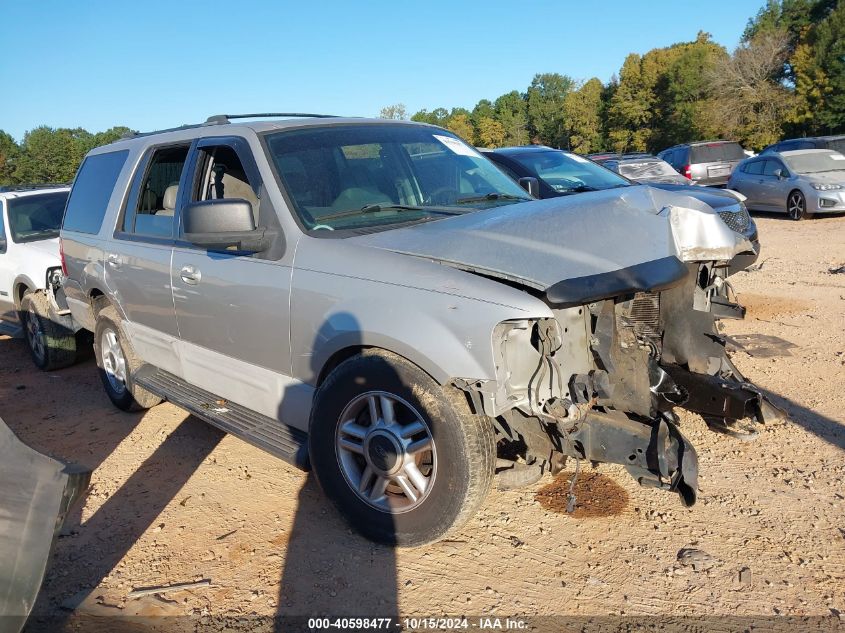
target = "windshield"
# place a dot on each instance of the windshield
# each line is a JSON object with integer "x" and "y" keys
{"x": 645, "y": 170}
{"x": 376, "y": 175}
{"x": 36, "y": 217}
{"x": 568, "y": 173}
{"x": 815, "y": 162}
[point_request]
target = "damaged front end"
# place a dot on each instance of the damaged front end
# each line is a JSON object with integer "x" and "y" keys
{"x": 601, "y": 380}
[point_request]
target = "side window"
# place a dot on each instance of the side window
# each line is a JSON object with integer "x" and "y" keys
{"x": 755, "y": 168}
{"x": 224, "y": 178}
{"x": 151, "y": 207}
{"x": 771, "y": 166}
{"x": 91, "y": 191}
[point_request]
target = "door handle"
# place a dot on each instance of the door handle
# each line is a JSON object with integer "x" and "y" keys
{"x": 190, "y": 275}
{"x": 113, "y": 260}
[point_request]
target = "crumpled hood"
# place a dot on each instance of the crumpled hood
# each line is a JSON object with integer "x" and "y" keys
{"x": 541, "y": 243}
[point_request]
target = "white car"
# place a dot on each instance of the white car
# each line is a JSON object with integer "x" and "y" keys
{"x": 30, "y": 218}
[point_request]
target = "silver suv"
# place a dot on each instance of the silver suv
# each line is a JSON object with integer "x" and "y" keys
{"x": 705, "y": 162}
{"x": 375, "y": 300}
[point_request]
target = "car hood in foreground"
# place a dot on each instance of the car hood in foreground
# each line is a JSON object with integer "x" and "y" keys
{"x": 637, "y": 235}
{"x": 36, "y": 492}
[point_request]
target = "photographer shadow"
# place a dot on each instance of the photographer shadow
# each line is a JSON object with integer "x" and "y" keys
{"x": 330, "y": 570}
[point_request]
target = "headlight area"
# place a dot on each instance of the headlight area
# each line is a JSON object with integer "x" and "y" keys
{"x": 573, "y": 388}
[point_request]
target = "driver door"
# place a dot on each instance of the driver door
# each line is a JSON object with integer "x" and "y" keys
{"x": 232, "y": 309}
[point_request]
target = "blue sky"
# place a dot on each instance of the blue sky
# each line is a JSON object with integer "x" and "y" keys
{"x": 157, "y": 64}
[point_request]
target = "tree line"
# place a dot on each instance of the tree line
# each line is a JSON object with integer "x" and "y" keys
{"x": 786, "y": 78}
{"x": 49, "y": 155}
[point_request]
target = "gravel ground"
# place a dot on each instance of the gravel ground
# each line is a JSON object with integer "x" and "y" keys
{"x": 173, "y": 500}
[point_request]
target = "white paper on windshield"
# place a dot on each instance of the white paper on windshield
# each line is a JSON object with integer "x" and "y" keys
{"x": 837, "y": 157}
{"x": 580, "y": 159}
{"x": 459, "y": 147}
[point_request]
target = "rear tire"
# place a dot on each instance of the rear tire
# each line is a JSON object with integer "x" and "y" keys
{"x": 422, "y": 468}
{"x": 117, "y": 362}
{"x": 52, "y": 344}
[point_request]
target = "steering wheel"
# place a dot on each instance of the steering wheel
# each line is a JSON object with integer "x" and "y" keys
{"x": 322, "y": 226}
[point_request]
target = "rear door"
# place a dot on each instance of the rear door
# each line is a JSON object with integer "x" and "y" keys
{"x": 233, "y": 309}
{"x": 137, "y": 260}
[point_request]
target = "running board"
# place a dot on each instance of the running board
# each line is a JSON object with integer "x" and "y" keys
{"x": 278, "y": 439}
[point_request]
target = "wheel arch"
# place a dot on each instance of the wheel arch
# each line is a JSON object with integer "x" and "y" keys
{"x": 345, "y": 347}
{"x": 20, "y": 286}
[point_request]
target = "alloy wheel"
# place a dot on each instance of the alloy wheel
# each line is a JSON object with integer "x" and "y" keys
{"x": 386, "y": 452}
{"x": 35, "y": 335}
{"x": 795, "y": 205}
{"x": 114, "y": 362}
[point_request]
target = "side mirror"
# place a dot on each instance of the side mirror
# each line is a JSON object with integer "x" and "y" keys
{"x": 531, "y": 185}
{"x": 223, "y": 225}
{"x": 779, "y": 173}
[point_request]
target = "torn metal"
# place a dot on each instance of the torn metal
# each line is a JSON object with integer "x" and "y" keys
{"x": 600, "y": 382}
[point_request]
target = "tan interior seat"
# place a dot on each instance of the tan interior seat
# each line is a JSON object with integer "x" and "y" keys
{"x": 168, "y": 201}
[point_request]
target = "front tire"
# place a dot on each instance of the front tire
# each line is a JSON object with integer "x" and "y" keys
{"x": 403, "y": 459}
{"x": 52, "y": 345}
{"x": 796, "y": 205}
{"x": 117, "y": 362}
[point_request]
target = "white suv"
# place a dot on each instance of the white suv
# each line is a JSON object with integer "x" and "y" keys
{"x": 30, "y": 218}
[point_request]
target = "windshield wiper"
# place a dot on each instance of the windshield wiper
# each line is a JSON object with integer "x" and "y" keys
{"x": 493, "y": 195}
{"x": 376, "y": 207}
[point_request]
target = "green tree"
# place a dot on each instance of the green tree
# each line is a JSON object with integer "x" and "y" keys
{"x": 512, "y": 112}
{"x": 9, "y": 152}
{"x": 490, "y": 132}
{"x": 438, "y": 116}
{"x": 828, "y": 44}
{"x": 629, "y": 111}
{"x": 51, "y": 155}
{"x": 484, "y": 108}
{"x": 583, "y": 115}
{"x": 546, "y": 113}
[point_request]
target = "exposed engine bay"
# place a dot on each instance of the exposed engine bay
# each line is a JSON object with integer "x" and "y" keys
{"x": 600, "y": 383}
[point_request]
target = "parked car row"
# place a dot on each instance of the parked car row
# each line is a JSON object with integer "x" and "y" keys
{"x": 377, "y": 301}
{"x": 801, "y": 177}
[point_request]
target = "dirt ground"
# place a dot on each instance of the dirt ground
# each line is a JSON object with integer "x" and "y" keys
{"x": 173, "y": 500}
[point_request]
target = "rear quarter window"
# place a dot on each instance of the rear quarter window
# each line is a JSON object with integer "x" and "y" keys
{"x": 91, "y": 191}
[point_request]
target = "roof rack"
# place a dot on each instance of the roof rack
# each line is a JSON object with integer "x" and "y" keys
{"x": 222, "y": 119}
{"x": 31, "y": 187}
